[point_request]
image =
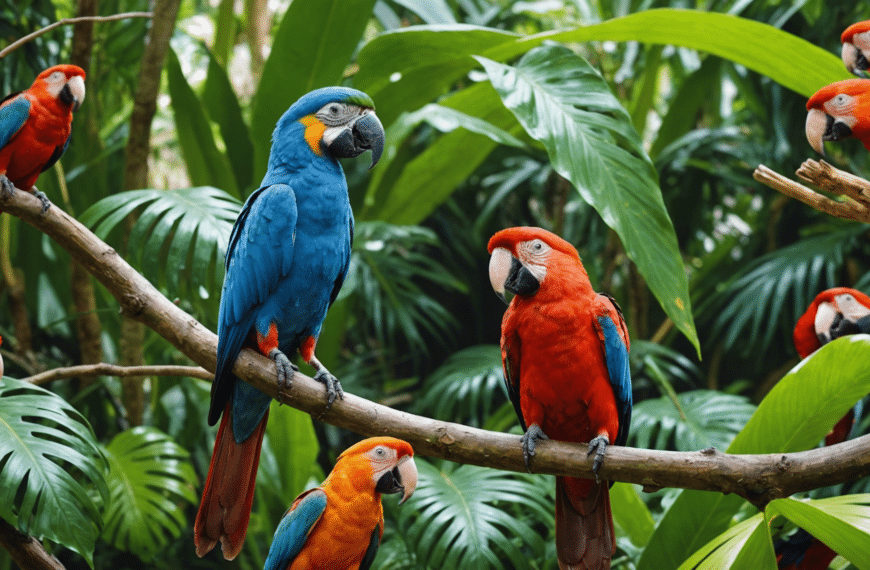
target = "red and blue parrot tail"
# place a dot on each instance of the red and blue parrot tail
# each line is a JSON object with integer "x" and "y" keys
{"x": 584, "y": 525}
{"x": 229, "y": 490}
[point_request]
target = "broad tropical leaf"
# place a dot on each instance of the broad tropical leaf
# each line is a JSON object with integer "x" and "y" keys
{"x": 467, "y": 517}
{"x": 47, "y": 448}
{"x": 792, "y": 417}
{"x": 465, "y": 387}
{"x": 179, "y": 240}
{"x": 563, "y": 102}
{"x": 745, "y": 545}
{"x": 150, "y": 481}
{"x": 206, "y": 165}
{"x": 310, "y": 49}
{"x": 704, "y": 418}
{"x": 843, "y": 523}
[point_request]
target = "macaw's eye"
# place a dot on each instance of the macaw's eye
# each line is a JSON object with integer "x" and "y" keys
{"x": 841, "y": 101}
{"x": 57, "y": 76}
{"x": 538, "y": 246}
{"x": 335, "y": 113}
{"x": 849, "y": 297}
{"x": 380, "y": 452}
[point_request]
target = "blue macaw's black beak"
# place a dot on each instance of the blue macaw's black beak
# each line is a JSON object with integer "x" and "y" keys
{"x": 366, "y": 133}
{"x": 520, "y": 280}
{"x": 390, "y": 482}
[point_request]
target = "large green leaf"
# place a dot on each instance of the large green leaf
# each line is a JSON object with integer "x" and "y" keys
{"x": 311, "y": 47}
{"x": 843, "y": 523}
{"x": 223, "y": 108}
{"x": 745, "y": 545}
{"x": 631, "y": 516}
{"x": 179, "y": 239}
{"x": 466, "y": 517}
{"x": 791, "y": 418}
{"x": 150, "y": 482}
{"x": 704, "y": 418}
{"x": 563, "y": 102}
{"x": 44, "y": 445}
{"x": 206, "y": 165}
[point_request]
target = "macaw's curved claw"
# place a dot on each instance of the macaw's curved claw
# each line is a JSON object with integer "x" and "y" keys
{"x": 285, "y": 368}
{"x": 530, "y": 439}
{"x": 6, "y": 186}
{"x": 333, "y": 387}
{"x": 597, "y": 446}
{"x": 46, "y": 203}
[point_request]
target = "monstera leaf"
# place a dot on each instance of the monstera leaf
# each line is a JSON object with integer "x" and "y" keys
{"x": 48, "y": 459}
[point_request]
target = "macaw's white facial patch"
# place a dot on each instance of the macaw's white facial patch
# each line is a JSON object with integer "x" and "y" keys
{"x": 55, "y": 83}
{"x": 850, "y": 307}
{"x": 534, "y": 255}
{"x": 842, "y": 108}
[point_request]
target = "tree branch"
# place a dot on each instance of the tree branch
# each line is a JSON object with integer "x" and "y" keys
{"x": 758, "y": 478}
{"x": 855, "y": 190}
{"x": 106, "y": 369}
{"x": 65, "y": 22}
{"x": 26, "y": 551}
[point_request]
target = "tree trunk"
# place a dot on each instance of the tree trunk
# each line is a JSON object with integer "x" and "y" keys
{"x": 136, "y": 176}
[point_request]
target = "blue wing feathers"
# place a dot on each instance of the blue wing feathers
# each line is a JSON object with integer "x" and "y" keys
{"x": 13, "y": 115}
{"x": 294, "y": 528}
{"x": 616, "y": 355}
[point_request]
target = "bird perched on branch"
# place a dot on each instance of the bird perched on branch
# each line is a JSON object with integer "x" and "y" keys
{"x": 287, "y": 259}
{"x": 35, "y": 127}
{"x": 565, "y": 356}
{"x": 856, "y": 47}
{"x": 838, "y": 111}
{"x": 339, "y": 524}
{"x": 833, "y": 313}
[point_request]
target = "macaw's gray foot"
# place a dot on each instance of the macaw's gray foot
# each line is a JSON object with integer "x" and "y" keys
{"x": 325, "y": 377}
{"x": 286, "y": 369}
{"x": 6, "y": 187}
{"x": 530, "y": 439}
{"x": 46, "y": 203}
{"x": 597, "y": 446}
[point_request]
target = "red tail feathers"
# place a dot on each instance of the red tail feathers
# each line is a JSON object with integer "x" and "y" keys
{"x": 584, "y": 526}
{"x": 229, "y": 490}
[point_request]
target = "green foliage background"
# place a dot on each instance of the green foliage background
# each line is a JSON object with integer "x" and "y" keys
{"x": 628, "y": 127}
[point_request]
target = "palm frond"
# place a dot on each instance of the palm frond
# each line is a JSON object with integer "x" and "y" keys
{"x": 179, "y": 239}
{"x": 754, "y": 305}
{"x": 45, "y": 447}
{"x": 475, "y": 518}
{"x": 465, "y": 388}
{"x": 150, "y": 481}
{"x": 704, "y": 418}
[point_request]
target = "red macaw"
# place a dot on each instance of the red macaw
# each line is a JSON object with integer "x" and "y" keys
{"x": 856, "y": 47}
{"x": 35, "y": 127}
{"x": 838, "y": 111}
{"x": 833, "y": 313}
{"x": 339, "y": 525}
{"x": 565, "y": 355}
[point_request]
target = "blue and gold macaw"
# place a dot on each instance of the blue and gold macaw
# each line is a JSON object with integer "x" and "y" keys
{"x": 287, "y": 258}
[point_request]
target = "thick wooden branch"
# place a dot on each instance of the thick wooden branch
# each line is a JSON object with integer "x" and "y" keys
{"x": 759, "y": 478}
{"x": 855, "y": 190}
{"x": 106, "y": 369}
{"x": 26, "y": 551}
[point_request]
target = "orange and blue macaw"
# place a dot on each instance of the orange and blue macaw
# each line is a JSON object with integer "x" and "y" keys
{"x": 837, "y": 312}
{"x": 565, "y": 356}
{"x": 339, "y": 524}
{"x": 287, "y": 258}
{"x": 856, "y": 47}
{"x": 839, "y": 111}
{"x": 35, "y": 127}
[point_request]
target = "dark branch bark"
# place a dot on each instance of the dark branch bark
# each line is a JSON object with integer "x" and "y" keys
{"x": 26, "y": 551}
{"x": 758, "y": 478}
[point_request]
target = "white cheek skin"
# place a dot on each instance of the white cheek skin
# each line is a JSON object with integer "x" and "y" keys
{"x": 842, "y": 113}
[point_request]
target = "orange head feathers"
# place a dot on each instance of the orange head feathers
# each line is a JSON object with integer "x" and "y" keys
{"x": 385, "y": 464}
{"x": 832, "y": 314}
{"x": 856, "y": 47}
{"x": 838, "y": 111}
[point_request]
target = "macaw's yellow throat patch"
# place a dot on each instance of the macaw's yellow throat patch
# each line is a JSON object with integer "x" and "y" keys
{"x": 313, "y": 132}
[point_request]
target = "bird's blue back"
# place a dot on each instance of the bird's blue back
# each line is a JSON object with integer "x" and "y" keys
{"x": 288, "y": 255}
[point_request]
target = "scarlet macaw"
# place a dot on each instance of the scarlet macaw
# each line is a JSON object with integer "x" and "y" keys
{"x": 838, "y": 111}
{"x": 35, "y": 127}
{"x": 339, "y": 524}
{"x": 287, "y": 258}
{"x": 856, "y": 47}
{"x": 833, "y": 313}
{"x": 565, "y": 356}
